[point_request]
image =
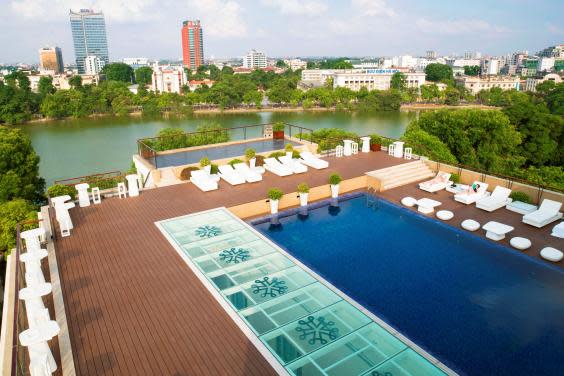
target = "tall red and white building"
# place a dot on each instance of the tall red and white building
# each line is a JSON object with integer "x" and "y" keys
{"x": 192, "y": 44}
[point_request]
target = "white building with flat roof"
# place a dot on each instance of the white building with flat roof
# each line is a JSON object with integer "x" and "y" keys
{"x": 93, "y": 64}
{"x": 375, "y": 79}
{"x": 254, "y": 59}
{"x": 545, "y": 64}
{"x": 136, "y": 62}
{"x": 168, "y": 79}
{"x": 475, "y": 84}
{"x": 296, "y": 64}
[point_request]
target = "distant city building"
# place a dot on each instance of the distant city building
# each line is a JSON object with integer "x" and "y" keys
{"x": 296, "y": 64}
{"x": 554, "y": 51}
{"x": 355, "y": 79}
{"x": 531, "y": 83}
{"x": 405, "y": 61}
{"x": 545, "y": 64}
{"x": 168, "y": 79}
{"x": 475, "y": 84}
{"x": 462, "y": 62}
{"x": 490, "y": 67}
{"x": 254, "y": 59}
{"x": 431, "y": 54}
{"x": 89, "y": 37}
{"x": 93, "y": 64}
{"x": 136, "y": 62}
{"x": 51, "y": 59}
{"x": 469, "y": 55}
{"x": 192, "y": 44}
{"x": 196, "y": 84}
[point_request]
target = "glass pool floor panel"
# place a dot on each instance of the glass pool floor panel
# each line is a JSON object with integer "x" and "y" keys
{"x": 309, "y": 328}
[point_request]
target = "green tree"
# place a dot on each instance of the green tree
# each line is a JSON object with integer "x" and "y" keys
{"x": 430, "y": 92}
{"x": 555, "y": 99}
{"x": 75, "y": 82}
{"x": 428, "y": 145}
{"x": 472, "y": 70}
{"x": 281, "y": 64}
{"x": 452, "y": 96}
{"x": 399, "y": 81}
{"x": 118, "y": 72}
{"x": 11, "y": 213}
{"x": 144, "y": 76}
{"x": 19, "y": 167}
{"x": 438, "y": 72}
{"x": 45, "y": 86}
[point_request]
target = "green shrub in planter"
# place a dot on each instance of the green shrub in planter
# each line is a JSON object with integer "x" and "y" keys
{"x": 186, "y": 172}
{"x": 520, "y": 196}
{"x": 455, "y": 178}
{"x": 303, "y": 188}
{"x": 295, "y": 154}
{"x": 276, "y": 154}
{"x": 214, "y": 169}
{"x": 289, "y": 147}
{"x": 278, "y": 126}
{"x": 259, "y": 160}
{"x": 235, "y": 161}
{"x": 376, "y": 139}
{"x": 335, "y": 179}
{"x": 250, "y": 153}
{"x": 61, "y": 190}
{"x": 275, "y": 193}
{"x": 205, "y": 161}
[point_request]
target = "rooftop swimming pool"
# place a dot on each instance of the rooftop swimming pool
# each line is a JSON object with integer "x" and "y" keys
{"x": 300, "y": 324}
{"x": 219, "y": 152}
{"x": 479, "y": 307}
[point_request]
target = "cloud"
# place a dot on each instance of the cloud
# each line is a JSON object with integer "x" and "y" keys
{"x": 297, "y": 7}
{"x": 223, "y": 18}
{"x": 457, "y": 26}
{"x": 373, "y": 8}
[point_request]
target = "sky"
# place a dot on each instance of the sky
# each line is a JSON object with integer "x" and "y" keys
{"x": 151, "y": 28}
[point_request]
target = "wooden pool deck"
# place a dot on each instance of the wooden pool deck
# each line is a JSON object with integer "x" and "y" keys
{"x": 135, "y": 307}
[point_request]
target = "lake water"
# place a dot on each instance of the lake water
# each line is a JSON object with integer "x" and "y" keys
{"x": 72, "y": 148}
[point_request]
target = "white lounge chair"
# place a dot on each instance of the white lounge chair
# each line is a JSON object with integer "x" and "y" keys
{"x": 250, "y": 176}
{"x": 439, "y": 182}
{"x": 203, "y": 180}
{"x": 312, "y": 161}
{"x": 497, "y": 200}
{"x": 274, "y": 166}
{"x": 293, "y": 164}
{"x": 548, "y": 212}
{"x": 471, "y": 197}
{"x": 557, "y": 231}
{"x": 228, "y": 173}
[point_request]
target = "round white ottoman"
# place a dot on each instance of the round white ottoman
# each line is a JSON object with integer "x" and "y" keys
{"x": 520, "y": 243}
{"x": 470, "y": 225}
{"x": 551, "y": 254}
{"x": 445, "y": 215}
{"x": 408, "y": 201}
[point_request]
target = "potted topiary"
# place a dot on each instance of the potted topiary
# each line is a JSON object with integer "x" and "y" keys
{"x": 250, "y": 155}
{"x": 205, "y": 163}
{"x": 334, "y": 181}
{"x": 303, "y": 191}
{"x": 274, "y": 195}
{"x": 375, "y": 142}
{"x": 278, "y": 131}
{"x": 455, "y": 179}
{"x": 289, "y": 148}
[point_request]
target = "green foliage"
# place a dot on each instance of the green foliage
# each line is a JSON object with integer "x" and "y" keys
{"x": 339, "y": 63}
{"x": 250, "y": 153}
{"x": 214, "y": 169}
{"x": 328, "y": 138}
{"x": 175, "y": 138}
{"x": 205, "y": 161}
{"x": 278, "y": 126}
{"x": 452, "y": 96}
{"x": 303, "y": 188}
{"x": 555, "y": 100}
{"x": 186, "y": 172}
{"x": 61, "y": 190}
{"x": 234, "y": 161}
{"x": 376, "y": 139}
{"x": 520, "y": 196}
{"x": 430, "y": 92}
{"x": 17, "y": 102}
{"x": 438, "y": 72}
{"x": 276, "y": 154}
{"x": 281, "y": 64}
{"x": 552, "y": 176}
{"x": 428, "y": 145}
{"x": 398, "y": 81}
{"x": 19, "y": 167}
{"x": 11, "y": 213}
{"x": 45, "y": 86}
{"x": 170, "y": 138}
{"x": 75, "y": 82}
{"x": 275, "y": 193}
{"x": 295, "y": 154}
{"x": 377, "y": 100}
{"x": 335, "y": 179}
{"x": 289, "y": 147}
{"x": 118, "y": 72}
{"x": 472, "y": 70}
{"x": 455, "y": 178}
{"x": 144, "y": 76}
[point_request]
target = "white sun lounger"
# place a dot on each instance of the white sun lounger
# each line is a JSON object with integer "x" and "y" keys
{"x": 250, "y": 176}
{"x": 203, "y": 180}
{"x": 548, "y": 212}
{"x": 439, "y": 182}
{"x": 227, "y": 173}
{"x": 470, "y": 198}
{"x": 497, "y": 200}
{"x": 312, "y": 161}
{"x": 294, "y": 164}
{"x": 274, "y": 166}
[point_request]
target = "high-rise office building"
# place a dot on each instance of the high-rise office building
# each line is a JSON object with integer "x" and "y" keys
{"x": 254, "y": 59}
{"x": 51, "y": 59}
{"x": 89, "y": 37}
{"x": 431, "y": 54}
{"x": 192, "y": 44}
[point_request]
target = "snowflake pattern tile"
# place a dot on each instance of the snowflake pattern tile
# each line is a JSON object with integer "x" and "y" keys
{"x": 317, "y": 329}
{"x": 271, "y": 288}
{"x": 208, "y": 231}
{"x": 234, "y": 255}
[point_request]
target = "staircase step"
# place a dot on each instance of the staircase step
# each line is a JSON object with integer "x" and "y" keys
{"x": 402, "y": 174}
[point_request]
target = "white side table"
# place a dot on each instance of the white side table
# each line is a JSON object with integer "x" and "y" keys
{"x": 347, "y": 149}
{"x": 83, "y": 197}
{"x": 496, "y": 231}
{"x": 398, "y": 149}
{"x": 365, "y": 144}
{"x": 426, "y": 205}
{"x": 132, "y": 186}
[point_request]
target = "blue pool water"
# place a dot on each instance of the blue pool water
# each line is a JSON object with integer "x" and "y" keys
{"x": 480, "y": 308}
{"x": 220, "y": 152}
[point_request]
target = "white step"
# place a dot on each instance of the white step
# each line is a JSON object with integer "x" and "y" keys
{"x": 403, "y": 174}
